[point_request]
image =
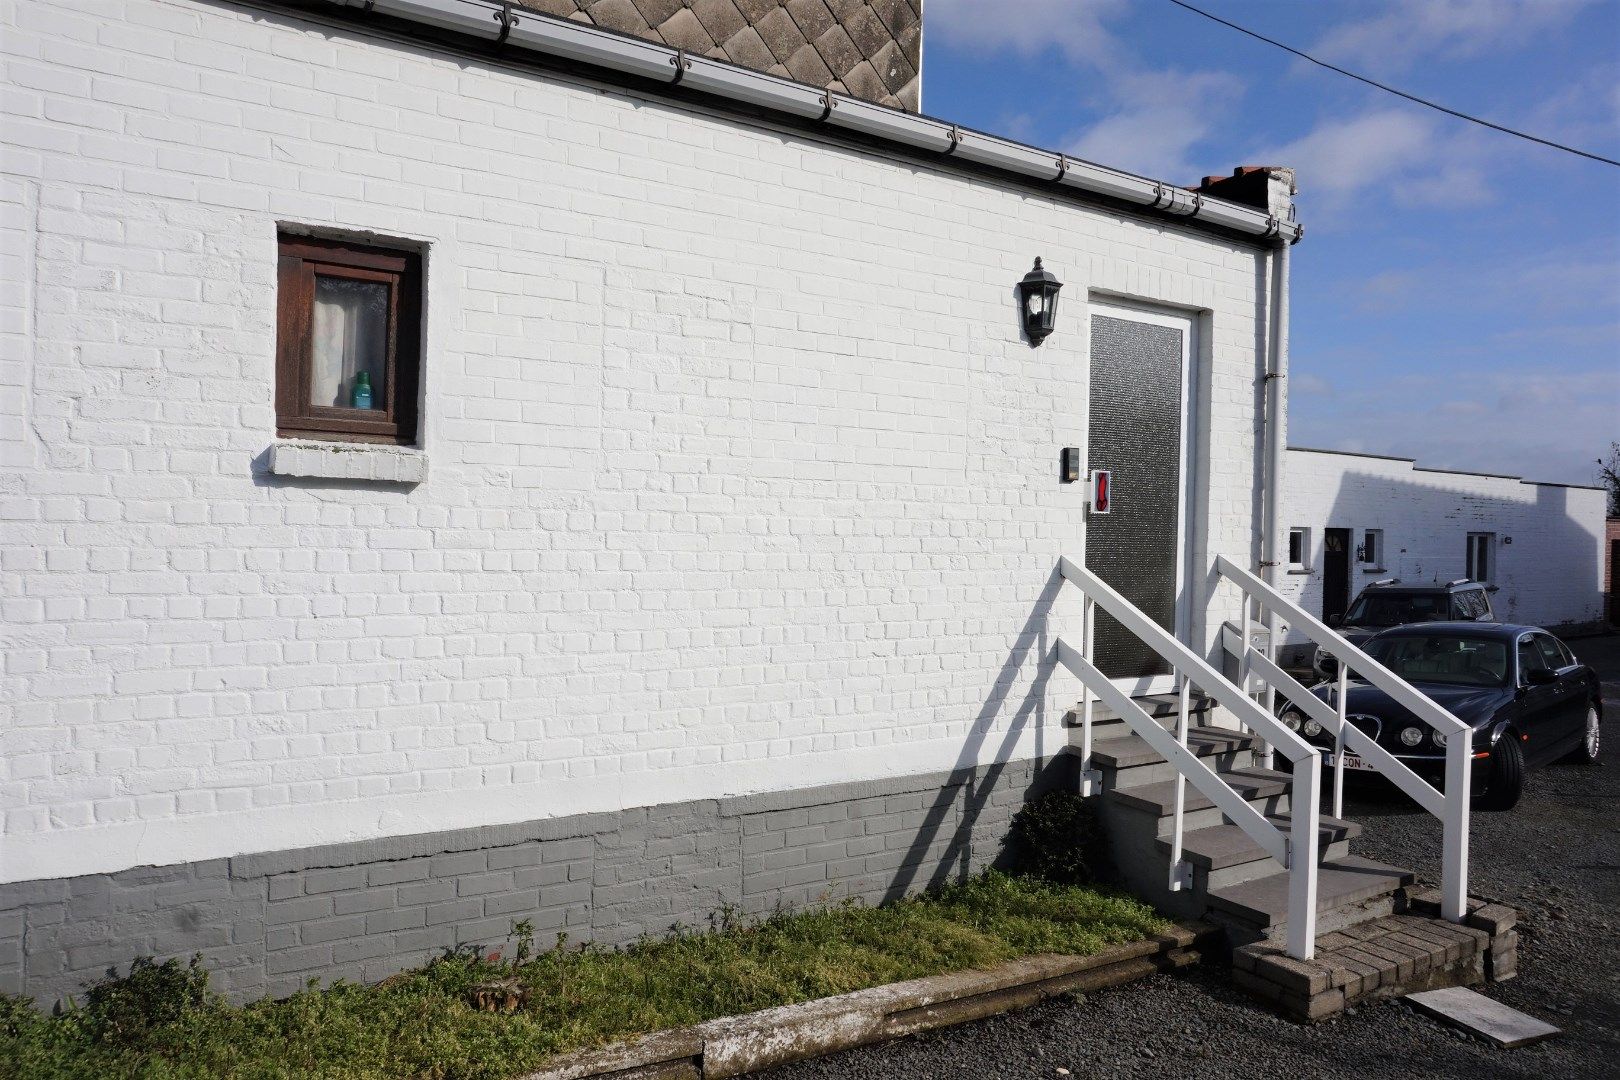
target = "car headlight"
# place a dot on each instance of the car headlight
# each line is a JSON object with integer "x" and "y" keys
{"x": 1411, "y": 736}
{"x": 1312, "y": 728}
{"x": 1291, "y": 719}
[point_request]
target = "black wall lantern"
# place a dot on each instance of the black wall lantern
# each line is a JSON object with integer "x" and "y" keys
{"x": 1039, "y": 294}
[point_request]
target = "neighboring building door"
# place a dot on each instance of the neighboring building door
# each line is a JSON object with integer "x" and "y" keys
{"x": 1335, "y": 572}
{"x": 1140, "y": 415}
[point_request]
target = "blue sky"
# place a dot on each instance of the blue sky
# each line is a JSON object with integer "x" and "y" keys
{"x": 1457, "y": 295}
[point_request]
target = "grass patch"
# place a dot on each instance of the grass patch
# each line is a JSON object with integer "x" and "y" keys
{"x": 161, "y": 1022}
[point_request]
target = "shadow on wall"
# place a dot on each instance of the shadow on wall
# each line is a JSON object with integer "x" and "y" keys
{"x": 971, "y": 814}
{"x": 1548, "y": 576}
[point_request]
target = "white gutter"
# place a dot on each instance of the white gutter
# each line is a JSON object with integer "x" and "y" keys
{"x": 515, "y": 28}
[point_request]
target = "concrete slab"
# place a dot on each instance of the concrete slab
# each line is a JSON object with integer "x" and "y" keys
{"x": 1477, "y": 1013}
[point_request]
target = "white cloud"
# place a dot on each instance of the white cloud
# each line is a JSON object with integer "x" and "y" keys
{"x": 1540, "y": 423}
{"x": 1576, "y": 285}
{"x": 1304, "y": 384}
{"x": 1151, "y": 120}
{"x": 1073, "y": 27}
{"x": 1404, "y": 155}
{"x": 1410, "y": 31}
{"x": 1163, "y": 115}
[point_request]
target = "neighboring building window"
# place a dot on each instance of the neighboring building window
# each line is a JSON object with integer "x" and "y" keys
{"x": 1372, "y": 547}
{"x": 1480, "y": 547}
{"x": 1299, "y": 548}
{"x": 348, "y": 350}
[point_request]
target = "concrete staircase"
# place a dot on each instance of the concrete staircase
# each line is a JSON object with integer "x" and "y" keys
{"x": 1331, "y": 928}
{"x": 1228, "y": 879}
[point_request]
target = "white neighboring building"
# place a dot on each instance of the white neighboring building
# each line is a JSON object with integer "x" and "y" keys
{"x": 1358, "y": 518}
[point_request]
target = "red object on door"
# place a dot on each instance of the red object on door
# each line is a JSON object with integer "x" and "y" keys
{"x": 1102, "y": 493}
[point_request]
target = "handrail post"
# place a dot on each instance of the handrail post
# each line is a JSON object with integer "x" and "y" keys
{"x": 1246, "y": 672}
{"x": 1088, "y": 632}
{"x": 1338, "y": 740}
{"x": 1180, "y": 871}
{"x": 1454, "y": 830}
{"x": 1303, "y": 801}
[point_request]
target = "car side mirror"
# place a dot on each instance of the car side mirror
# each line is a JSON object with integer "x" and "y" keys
{"x": 1540, "y": 676}
{"x": 1335, "y": 620}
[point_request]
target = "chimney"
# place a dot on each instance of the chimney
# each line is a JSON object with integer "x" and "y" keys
{"x": 1265, "y": 187}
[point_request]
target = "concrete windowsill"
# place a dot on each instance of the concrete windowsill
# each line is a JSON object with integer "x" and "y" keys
{"x": 1302, "y": 573}
{"x": 347, "y": 461}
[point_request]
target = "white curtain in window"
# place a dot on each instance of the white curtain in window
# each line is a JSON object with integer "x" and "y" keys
{"x": 351, "y": 336}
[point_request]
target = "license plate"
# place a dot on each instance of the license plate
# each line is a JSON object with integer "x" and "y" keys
{"x": 1352, "y": 763}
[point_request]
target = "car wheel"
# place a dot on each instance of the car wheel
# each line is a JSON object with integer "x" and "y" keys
{"x": 1587, "y": 752}
{"x": 1504, "y": 780}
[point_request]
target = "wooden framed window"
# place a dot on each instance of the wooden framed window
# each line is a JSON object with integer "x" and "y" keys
{"x": 348, "y": 341}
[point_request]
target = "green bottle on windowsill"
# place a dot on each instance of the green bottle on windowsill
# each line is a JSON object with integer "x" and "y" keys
{"x": 362, "y": 390}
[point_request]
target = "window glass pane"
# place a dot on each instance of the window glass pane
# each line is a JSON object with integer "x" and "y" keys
{"x": 1550, "y": 656}
{"x": 1296, "y": 547}
{"x": 350, "y": 343}
{"x": 1369, "y": 549}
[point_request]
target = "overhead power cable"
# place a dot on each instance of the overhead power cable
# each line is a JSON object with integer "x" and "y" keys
{"x": 1392, "y": 90}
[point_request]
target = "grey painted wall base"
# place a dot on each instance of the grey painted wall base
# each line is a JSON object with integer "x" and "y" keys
{"x": 267, "y": 923}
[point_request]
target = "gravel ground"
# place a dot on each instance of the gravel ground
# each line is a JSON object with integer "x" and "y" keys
{"x": 1556, "y": 857}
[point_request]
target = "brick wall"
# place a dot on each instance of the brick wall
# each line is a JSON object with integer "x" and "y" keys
{"x": 1549, "y": 575}
{"x": 741, "y": 476}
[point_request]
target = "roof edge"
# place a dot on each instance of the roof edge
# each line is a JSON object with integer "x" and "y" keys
{"x": 1450, "y": 472}
{"x": 496, "y": 25}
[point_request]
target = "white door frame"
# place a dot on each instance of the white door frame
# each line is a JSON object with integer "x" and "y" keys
{"x": 1187, "y": 323}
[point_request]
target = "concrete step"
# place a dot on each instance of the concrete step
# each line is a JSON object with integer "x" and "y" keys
{"x": 1265, "y": 789}
{"x": 1220, "y": 846}
{"x": 1223, "y": 855}
{"x": 1162, "y": 706}
{"x": 1349, "y": 891}
{"x": 1126, "y": 760}
{"x": 1132, "y": 750}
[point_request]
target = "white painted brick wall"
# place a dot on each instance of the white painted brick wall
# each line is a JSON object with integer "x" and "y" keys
{"x": 1550, "y": 575}
{"x": 741, "y": 476}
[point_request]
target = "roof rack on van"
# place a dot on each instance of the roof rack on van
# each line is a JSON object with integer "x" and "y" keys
{"x": 1460, "y": 581}
{"x": 1388, "y": 581}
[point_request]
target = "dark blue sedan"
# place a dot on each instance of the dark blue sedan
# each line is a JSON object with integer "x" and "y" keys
{"x": 1526, "y": 696}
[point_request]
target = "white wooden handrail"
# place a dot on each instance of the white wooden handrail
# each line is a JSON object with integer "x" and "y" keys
{"x": 1451, "y": 806}
{"x": 1297, "y": 851}
{"x": 1363, "y": 745}
{"x": 1178, "y": 655}
{"x": 1341, "y": 650}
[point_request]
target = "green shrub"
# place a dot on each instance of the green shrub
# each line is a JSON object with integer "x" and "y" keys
{"x": 126, "y": 1011}
{"x": 1058, "y": 838}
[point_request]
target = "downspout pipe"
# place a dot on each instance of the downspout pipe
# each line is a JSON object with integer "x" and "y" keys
{"x": 1276, "y": 441}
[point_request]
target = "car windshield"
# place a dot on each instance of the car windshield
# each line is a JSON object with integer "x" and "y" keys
{"x": 1443, "y": 658}
{"x": 1385, "y": 609}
